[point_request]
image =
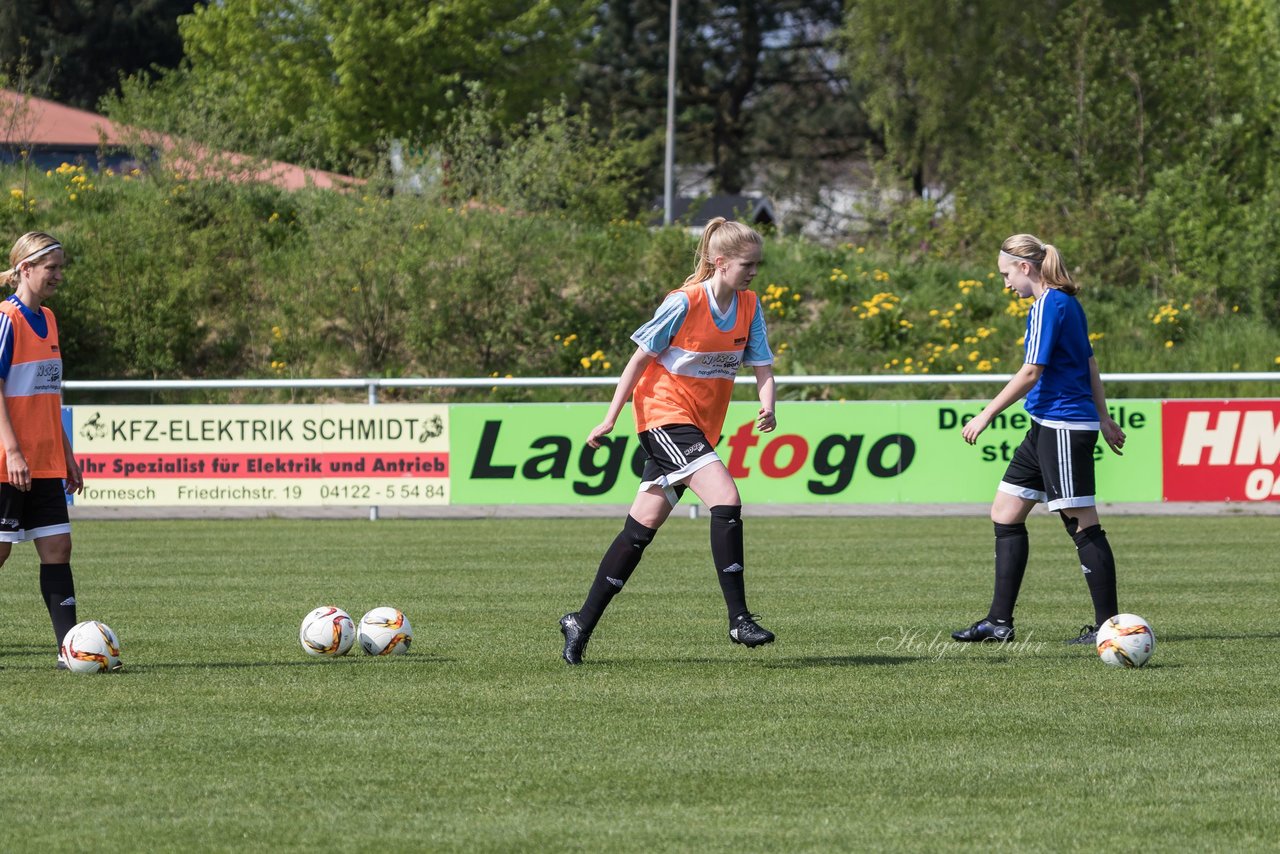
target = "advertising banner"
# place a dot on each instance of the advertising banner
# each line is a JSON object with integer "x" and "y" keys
{"x": 822, "y": 452}
{"x": 1221, "y": 450}
{"x": 283, "y": 456}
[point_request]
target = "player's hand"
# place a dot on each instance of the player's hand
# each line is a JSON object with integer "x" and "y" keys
{"x": 604, "y": 428}
{"x": 1112, "y": 435}
{"x": 75, "y": 477}
{"x": 19, "y": 473}
{"x": 766, "y": 421}
{"x": 973, "y": 429}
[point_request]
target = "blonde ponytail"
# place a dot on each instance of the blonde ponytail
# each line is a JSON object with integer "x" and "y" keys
{"x": 1045, "y": 257}
{"x": 721, "y": 238}
{"x": 30, "y": 247}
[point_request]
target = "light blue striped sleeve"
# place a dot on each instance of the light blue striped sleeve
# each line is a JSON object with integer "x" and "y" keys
{"x": 757, "y": 352}
{"x": 655, "y": 336}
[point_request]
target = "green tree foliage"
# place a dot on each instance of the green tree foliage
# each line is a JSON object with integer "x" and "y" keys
{"x": 326, "y": 81}
{"x": 757, "y": 81}
{"x": 554, "y": 161}
{"x": 1139, "y": 136}
{"x": 78, "y": 49}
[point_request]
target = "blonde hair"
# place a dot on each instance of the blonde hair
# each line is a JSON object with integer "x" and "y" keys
{"x": 725, "y": 238}
{"x": 28, "y": 244}
{"x": 1045, "y": 257}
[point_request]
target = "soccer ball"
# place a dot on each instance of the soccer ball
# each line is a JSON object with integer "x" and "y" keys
{"x": 91, "y": 647}
{"x": 385, "y": 631}
{"x": 1126, "y": 640}
{"x": 327, "y": 631}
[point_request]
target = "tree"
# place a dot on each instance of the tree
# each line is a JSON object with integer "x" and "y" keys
{"x": 757, "y": 80}
{"x": 325, "y": 81}
{"x": 78, "y": 49}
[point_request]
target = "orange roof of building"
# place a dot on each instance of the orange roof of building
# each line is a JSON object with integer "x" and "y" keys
{"x": 29, "y": 121}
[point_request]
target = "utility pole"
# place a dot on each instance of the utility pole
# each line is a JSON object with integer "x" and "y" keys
{"x": 668, "y": 190}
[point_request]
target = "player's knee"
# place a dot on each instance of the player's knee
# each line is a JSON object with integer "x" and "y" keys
{"x": 1071, "y": 523}
{"x": 726, "y": 513}
{"x": 1003, "y": 530}
{"x": 638, "y": 534}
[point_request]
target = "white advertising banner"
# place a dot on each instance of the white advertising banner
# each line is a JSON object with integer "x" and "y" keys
{"x": 284, "y": 455}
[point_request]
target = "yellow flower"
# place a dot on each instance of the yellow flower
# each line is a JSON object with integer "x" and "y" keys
{"x": 1168, "y": 344}
{"x": 16, "y": 193}
{"x": 585, "y": 362}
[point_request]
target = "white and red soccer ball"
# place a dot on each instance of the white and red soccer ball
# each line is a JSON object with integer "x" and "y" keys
{"x": 385, "y": 631}
{"x": 1126, "y": 640}
{"x": 327, "y": 631}
{"x": 90, "y": 647}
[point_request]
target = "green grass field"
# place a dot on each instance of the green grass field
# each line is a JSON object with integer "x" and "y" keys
{"x": 860, "y": 729}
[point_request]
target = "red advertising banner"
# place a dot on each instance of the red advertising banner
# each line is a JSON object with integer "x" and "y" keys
{"x": 1221, "y": 450}
{"x": 187, "y": 466}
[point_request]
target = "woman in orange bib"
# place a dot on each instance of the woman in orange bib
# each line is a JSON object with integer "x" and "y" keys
{"x": 37, "y": 461}
{"x": 682, "y": 376}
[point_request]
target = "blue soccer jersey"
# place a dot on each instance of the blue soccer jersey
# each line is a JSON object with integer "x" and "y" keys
{"x": 1058, "y": 339}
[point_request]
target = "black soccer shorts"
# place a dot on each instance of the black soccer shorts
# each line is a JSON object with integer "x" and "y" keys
{"x": 1053, "y": 465}
{"x": 676, "y": 452}
{"x": 42, "y": 512}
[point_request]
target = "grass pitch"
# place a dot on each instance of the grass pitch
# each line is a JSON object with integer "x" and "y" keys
{"x": 862, "y": 728}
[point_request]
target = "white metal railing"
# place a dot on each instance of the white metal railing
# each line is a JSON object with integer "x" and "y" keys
{"x": 372, "y": 384}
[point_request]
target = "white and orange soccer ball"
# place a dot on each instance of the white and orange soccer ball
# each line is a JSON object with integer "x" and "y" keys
{"x": 327, "y": 631}
{"x": 385, "y": 631}
{"x": 91, "y": 647}
{"x": 1126, "y": 640}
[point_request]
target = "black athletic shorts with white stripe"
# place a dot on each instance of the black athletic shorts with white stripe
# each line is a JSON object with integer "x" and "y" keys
{"x": 40, "y": 512}
{"x": 1054, "y": 464}
{"x": 676, "y": 452}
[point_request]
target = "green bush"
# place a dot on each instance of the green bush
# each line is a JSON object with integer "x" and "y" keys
{"x": 174, "y": 278}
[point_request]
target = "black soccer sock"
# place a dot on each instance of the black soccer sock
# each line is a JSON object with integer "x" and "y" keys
{"x": 58, "y": 589}
{"x": 727, "y": 553}
{"x": 1012, "y": 549}
{"x": 619, "y": 561}
{"x": 1099, "y": 568}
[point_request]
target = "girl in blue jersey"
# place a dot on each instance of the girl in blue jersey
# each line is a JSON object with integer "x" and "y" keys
{"x": 1054, "y": 464}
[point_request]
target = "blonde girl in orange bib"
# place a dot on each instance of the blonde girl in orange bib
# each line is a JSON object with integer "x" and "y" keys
{"x": 681, "y": 380}
{"x": 38, "y": 469}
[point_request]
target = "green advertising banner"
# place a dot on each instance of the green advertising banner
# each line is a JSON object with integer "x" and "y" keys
{"x": 822, "y": 452}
